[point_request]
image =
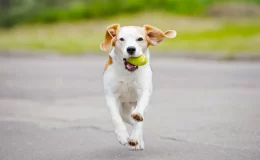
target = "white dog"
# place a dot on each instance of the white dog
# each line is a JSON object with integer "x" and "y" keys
{"x": 128, "y": 87}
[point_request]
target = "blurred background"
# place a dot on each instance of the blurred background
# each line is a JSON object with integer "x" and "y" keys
{"x": 227, "y": 27}
{"x": 51, "y": 88}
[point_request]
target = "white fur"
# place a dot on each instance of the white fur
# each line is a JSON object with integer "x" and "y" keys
{"x": 127, "y": 93}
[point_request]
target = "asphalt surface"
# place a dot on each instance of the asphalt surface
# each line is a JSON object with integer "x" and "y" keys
{"x": 52, "y": 108}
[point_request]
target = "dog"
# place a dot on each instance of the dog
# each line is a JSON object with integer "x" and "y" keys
{"x": 128, "y": 87}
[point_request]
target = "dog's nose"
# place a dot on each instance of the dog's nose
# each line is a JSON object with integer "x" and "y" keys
{"x": 131, "y": 50}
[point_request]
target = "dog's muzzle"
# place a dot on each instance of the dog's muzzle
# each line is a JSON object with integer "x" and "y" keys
{"x": 130, "y": 67}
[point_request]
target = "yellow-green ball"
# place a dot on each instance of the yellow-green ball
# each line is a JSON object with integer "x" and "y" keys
{"x": 138, "y": 61}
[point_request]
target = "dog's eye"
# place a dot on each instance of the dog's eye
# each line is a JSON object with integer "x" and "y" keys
{"x": 140, "y": 39}
{"x": 121, "y": 39}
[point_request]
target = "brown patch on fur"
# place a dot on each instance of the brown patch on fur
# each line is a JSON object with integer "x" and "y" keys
{"x": 137, "y": 117}
{"x": 132, "y": 143}
{"x": 109, "y": 62}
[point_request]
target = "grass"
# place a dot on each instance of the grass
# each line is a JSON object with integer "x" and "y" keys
{"x": 204, "y": 35}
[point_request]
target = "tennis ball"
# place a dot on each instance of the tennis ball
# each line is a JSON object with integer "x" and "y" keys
{"x": 138, "y": 61}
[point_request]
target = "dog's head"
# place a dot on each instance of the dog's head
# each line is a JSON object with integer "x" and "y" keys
{"x": 132, "y": 41}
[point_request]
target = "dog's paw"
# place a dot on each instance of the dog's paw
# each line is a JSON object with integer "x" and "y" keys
{"x": 122, "y": 137}
{"x": 138, "y": 147}
{"x": 132, "y": 142}
{"x": 137, "y": 116}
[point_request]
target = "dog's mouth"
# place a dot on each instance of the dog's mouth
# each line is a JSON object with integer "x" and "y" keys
{"x": 130, "y": 67}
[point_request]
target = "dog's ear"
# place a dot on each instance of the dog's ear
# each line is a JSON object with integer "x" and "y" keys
{"x": 155, "y": 36}
{"x": 110, "y": 37}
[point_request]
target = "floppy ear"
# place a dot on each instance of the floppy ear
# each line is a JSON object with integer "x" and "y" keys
{"x": 155, "y": 36}
{"x": 110, "y": 37}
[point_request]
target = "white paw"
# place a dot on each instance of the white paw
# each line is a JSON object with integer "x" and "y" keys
{"x": 122, "y": 136}
{"x": 137, "y": 116}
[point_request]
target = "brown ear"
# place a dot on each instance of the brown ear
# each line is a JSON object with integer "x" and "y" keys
{"x": 155, "y": 36}
{"x": 110, "y": 37}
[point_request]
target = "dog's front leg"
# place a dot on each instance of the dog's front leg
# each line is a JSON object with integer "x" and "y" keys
{"x": 138, "y": 113}
{"x": 136, "y": 138}
{"x": 113, "y": 105}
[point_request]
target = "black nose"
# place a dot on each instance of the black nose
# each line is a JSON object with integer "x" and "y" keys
{"x": 131, "y": 50}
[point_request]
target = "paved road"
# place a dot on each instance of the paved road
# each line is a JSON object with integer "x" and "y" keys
{"x": 52, "y": 108}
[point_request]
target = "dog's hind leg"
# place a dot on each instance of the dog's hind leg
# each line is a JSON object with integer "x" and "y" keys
{"x": 126, "y": 110}
{"x": 120, "y": 129}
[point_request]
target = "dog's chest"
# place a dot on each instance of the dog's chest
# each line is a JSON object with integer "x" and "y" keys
{"x": 128, "y": 90}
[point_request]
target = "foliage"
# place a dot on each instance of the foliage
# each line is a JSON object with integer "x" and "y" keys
{"x": 30, "y": 11}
